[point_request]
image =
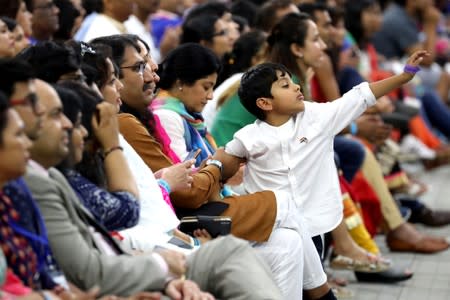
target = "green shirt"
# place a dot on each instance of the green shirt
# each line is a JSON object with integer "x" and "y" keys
{"x": 231, "y": 117}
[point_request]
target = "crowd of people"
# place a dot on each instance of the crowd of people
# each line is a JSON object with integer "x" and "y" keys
{"x": 304, "y": 116}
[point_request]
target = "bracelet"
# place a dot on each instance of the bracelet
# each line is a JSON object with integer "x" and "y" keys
{"x": 353, "y": 128}
{"x": 165, "y": 185}
{"x": 411, "y": 69}
{"x": 196, "y": 242}
{"x": 112, "y": 149}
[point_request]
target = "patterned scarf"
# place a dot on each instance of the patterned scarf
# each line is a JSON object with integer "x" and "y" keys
{"x": 20, "y": 256}
{"x": 195, "y": 133}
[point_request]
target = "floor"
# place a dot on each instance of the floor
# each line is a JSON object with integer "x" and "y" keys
{"x": 431, "y": 278}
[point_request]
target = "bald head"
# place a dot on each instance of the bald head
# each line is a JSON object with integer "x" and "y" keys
{"x": 52, "y": 145}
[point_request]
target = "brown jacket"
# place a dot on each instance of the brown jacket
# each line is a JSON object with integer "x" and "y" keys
{"x": 253, "y": 216}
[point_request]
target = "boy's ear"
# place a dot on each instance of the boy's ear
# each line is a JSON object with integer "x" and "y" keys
{"x": 264, "y": 103}
{"x": 296, "y": 50}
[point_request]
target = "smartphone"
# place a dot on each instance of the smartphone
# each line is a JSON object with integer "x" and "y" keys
{"x": 193, "y": 154}
{"x": 180, "y": 243}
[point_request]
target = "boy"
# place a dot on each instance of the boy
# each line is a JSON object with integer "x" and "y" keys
{"x": 290, "y": 147}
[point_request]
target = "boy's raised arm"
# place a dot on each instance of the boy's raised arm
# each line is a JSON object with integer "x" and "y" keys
{"x": 230, "y": 163}
{"x": 382, "y": 87}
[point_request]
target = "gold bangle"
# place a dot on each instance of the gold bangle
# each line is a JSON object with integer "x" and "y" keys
{"x": 112, "y": 149}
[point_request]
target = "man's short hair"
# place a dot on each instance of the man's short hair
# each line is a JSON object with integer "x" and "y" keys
{"x": 14, "y": 70}
{"x": 256, "y": 83}
{"x": 118, "y": 44}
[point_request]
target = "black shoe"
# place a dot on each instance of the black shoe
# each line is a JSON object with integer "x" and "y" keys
{"x": 391, "y": 275}
{"x": 431, "y": 218}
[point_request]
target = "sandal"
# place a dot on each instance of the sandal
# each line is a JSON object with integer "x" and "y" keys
{"x": 341, "y": 262}
{"x": 341, "y": 292}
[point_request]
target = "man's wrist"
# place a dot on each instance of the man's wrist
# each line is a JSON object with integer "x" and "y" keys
{"x": 215, "y": 162}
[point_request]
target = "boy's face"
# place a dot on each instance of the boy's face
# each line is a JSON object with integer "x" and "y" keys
{"x": 287, "y": 96}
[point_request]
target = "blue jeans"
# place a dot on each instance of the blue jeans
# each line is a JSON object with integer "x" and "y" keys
{"x": 351, "y": 155}
{"x": 436, "y": 112}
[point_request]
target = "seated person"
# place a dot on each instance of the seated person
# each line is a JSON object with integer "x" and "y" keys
{"x": 289, "y": 128}
{"x": 88, "y": 256}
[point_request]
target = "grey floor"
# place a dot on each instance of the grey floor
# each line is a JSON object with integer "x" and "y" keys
{"x": 431, "y": 278}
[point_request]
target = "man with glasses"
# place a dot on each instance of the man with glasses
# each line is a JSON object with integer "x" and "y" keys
{"x": 45, "y": 19}
{"x": 21, "y": 89}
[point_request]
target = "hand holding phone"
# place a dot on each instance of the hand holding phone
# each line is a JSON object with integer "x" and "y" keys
{"x": 193, "y": 154}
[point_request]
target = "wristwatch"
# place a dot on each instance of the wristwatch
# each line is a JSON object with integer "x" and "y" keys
{"x": 216, "y": 163}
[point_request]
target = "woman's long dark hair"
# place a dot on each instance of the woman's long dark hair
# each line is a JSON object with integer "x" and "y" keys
{"x": 353, "y": 22}
{"x": 244, "y": 49}
{"x": 71, "y": 107}
{"x": 91, "y": 166}
{"x": 293, "y": 28}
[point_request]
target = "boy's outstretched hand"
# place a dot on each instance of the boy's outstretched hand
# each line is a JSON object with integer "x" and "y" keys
{"x": 382, "y": 87}
{"x": 416, "y": 58}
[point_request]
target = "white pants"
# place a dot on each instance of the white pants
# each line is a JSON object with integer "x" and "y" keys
{"x": 290, "y": 239}
{"x": 283, "y": 252}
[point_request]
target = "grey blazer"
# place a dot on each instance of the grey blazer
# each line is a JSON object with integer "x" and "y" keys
{"x": 74, "y": 246}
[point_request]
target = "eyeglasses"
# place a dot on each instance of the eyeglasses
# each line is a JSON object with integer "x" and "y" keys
{"x": 221, "y": 33}
{"x": 48, "y": 5}
{"x": 29, "y": 100}
{"x": 138, "y": 67}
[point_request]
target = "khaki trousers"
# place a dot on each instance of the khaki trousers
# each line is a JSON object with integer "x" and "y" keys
{"x": 372, "y": 172}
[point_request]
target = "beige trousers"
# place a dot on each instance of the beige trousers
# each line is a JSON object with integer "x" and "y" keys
{"x": 372, "y": 172}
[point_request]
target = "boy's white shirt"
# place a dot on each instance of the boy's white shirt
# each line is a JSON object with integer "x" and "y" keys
{"x": 298, "y": 157}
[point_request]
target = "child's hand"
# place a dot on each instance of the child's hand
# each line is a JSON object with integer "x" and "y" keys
{"x": 416, "y": 58}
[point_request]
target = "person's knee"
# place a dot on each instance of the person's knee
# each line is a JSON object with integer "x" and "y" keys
{"x": 228, "y": 244}
{"x": 322, "y": 292}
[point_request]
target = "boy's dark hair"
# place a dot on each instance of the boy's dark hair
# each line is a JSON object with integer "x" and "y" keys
{"x": 51, "y": 60}
{"x": 256, "y": 83}
{"x": 14, "y": 70}
{"x": 118, "y": 43}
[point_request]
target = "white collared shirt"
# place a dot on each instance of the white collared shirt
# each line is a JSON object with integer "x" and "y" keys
{"x": 298, "y": 157}
{"x": 155, "y": 215}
